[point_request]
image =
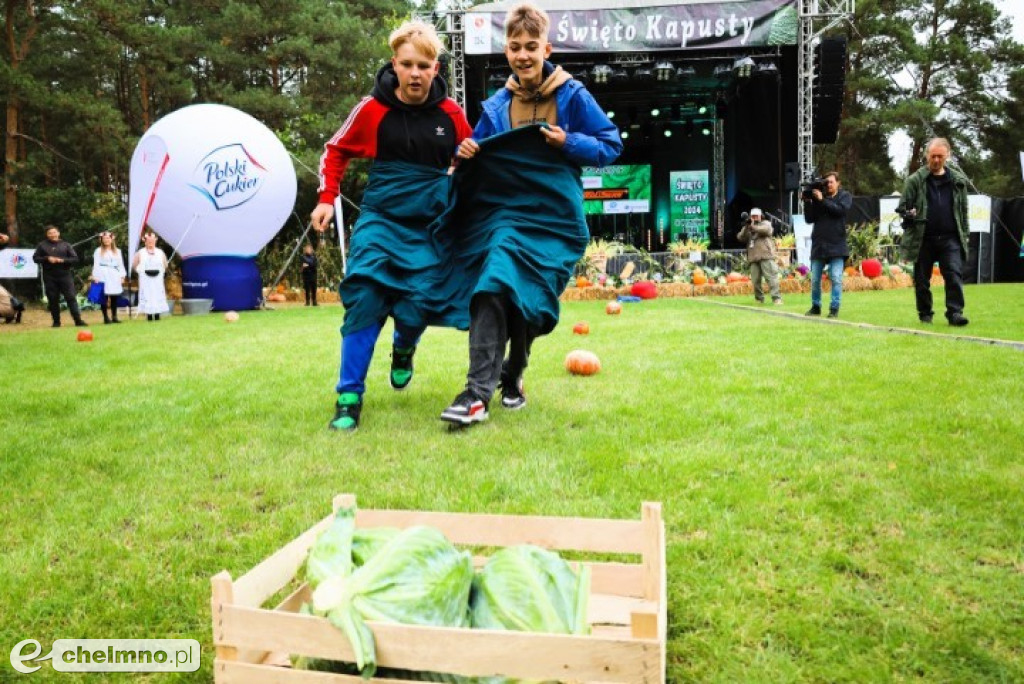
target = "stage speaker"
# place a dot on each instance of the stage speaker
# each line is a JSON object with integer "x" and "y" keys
{"x": 829, "y": 88}
{"x": 791, "y": 176}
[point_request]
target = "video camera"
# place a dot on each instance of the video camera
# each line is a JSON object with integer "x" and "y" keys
{"x": 808, "y": 187}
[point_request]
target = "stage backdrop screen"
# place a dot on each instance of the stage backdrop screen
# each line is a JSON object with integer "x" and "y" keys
{"x": 690, "y": 209}
{"x": 621, "y": 189}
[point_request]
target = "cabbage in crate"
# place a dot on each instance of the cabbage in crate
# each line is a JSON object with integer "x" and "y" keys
{"x": 413, "y": 576}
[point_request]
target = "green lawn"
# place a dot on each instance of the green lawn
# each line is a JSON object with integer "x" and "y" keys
{"x": 842, "y": 504}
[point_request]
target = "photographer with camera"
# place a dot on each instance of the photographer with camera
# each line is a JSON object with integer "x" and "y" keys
{"x": 935, "y": 228}
{"x": 825, "y": 206}
{"x": 757, "y": 234}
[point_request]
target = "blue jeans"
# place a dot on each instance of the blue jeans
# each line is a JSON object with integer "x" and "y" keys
{"x": 835, "y": 274}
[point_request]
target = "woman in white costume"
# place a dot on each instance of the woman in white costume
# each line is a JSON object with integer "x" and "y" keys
{"x": 151, "y": 264}
{"x": 108, "y": 268}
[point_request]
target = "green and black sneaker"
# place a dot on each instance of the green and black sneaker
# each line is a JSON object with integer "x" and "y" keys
{"x": 401, "y": 367}
{"x": 346, "y": 412}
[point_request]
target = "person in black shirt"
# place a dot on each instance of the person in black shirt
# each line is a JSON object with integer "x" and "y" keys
{"x": 309, "y": 264}
{"x": 936, "y": 228}
{"x": 56, "y": 257}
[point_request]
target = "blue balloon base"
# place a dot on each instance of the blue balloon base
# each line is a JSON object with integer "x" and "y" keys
{"x": 232, "y": 282}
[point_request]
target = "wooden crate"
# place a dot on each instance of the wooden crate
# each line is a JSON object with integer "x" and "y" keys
{"x": 627, "y": 609}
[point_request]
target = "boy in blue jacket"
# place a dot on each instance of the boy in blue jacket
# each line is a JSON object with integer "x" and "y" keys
{"x": 537, "y": 92}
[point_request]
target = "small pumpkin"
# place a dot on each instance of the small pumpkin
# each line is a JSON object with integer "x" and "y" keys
{"x": 582, "y": 281}
{"x": 613, "y": 308}
{"x": 850, "y": 271}
{"x": 699, "y": 277}
{"x": 581, "y": 328}
{"x": 580, "y": 362}
{"x": 734, "y": 277}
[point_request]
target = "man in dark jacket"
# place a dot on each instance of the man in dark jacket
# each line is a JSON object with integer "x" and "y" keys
{"x": 56, "y": 257}
{"x": 827, "y": 211}
{"x": 935, "y": 228}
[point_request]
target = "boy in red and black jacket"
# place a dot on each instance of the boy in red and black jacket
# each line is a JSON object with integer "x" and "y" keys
{"x": 410, "y": 128}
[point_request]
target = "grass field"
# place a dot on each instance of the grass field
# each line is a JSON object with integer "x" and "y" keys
{"x": 843, "y": 504}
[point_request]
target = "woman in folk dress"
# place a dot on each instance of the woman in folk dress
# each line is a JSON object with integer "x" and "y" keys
{"x": 151, "y": 264}
{"x": 108, "y": 268}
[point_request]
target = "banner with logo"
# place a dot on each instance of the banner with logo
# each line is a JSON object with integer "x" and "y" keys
{"x": 979, "y": 213}
{"x": 889, "y": 221}
{"x": 621, "y": 189}
{"x": 691, "y": 26}
{"x": 17, "y": 263}
{"x": 690, "y": 205}
{"x": 215, "y": 184}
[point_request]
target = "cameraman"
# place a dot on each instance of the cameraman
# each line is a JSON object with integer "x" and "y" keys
{"x": 827, "y": 211}
{"x": 757, "y": 235}
{"x": 935, "y": 228}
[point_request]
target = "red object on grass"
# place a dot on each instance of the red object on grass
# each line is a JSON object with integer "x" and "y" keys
{"x": 581, "y": 328}
{"x": 871, "y": 268}
{"x": 85, "y": 335}
{"x": 644, "y": 289}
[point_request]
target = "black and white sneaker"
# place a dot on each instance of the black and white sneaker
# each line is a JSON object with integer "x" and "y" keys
{"x": 465, "y": 410}
{"x": 512, "y": 395}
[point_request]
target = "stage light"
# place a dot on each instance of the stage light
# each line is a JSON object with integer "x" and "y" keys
{"x": 723, "y": 71}
{"x": 601, "y": 73}
{"x": 619, "y": 76}
{"x": 684, "y": 72}
{"x": 643, "y": 75}
{"x": 668, "y": 133}
{"x": 624, "y": 135}
{"x": 655, "y": 111}
{"x": 705, "y": 131}
{"x": 767, "y": 69}
{"x": 610, "y": 113}
{"x": 743, "y": 67}
{"x": 702, "y": 109}
{"x": 664, "y": 71}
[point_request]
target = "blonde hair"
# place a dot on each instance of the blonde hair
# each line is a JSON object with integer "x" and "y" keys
{"x": 420, "y": 35}
{"x": 938, "y": 141}
{"x": 113, "y": 242}
{"x": 527, "y": 18}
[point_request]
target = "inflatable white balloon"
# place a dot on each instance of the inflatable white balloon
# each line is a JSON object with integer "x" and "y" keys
{"x": 216, "y": 184}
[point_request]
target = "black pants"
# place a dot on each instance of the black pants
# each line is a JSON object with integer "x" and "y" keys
{"x": 309, "y": 285}
{"x": 494, "y": 323}
{"x": 57, "y": 285}
{"x": 109, "y": 301}
{"x": 945, "y": 250}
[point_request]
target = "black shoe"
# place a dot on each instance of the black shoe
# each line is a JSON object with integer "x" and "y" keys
{"x": 346, "y": 412}
{"x": 80, "y": 323}
{"x": 512, "y": 395}
{"x": 957, "y": 320}
{"x": 55, "y": 324}
{"x": 833, "y": 313}
{"x": 926, "y": 318}
{"x": 815, "y": 310}
{"x": 401, "y": 367}
{"x": 465, "y": 410}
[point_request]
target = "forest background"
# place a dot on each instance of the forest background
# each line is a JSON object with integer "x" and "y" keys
{"x": 81, "y": 81}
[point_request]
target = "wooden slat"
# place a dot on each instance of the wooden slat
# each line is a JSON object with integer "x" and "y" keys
{"x": 650, "y": 516}
{"x": 460, "y": 651}
{"x": 560, "y": 534}
{"x": 227, "y": 672}
{"x": 617, "y": 610}
{"x": 270, "y": 576}
{"x": 619, "y": 579}
{"x": 294, "y": 600}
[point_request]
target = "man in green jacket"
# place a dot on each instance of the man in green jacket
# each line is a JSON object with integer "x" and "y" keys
{"x": 935, "y": 228}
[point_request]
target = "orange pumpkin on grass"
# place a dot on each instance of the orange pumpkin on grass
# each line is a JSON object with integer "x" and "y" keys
{"x": 580, "y": 362}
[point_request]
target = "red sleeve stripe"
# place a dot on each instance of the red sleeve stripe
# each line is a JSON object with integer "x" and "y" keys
{"x": 345, "y": 127}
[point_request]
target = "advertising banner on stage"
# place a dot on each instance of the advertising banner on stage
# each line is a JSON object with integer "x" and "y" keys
{"x": 17, "y": 263}
{"x": 979, "y": 213}
{"x": 690, "y": 207}
{"x": 723, "y": 24}
{"x": 621, "y": 189}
